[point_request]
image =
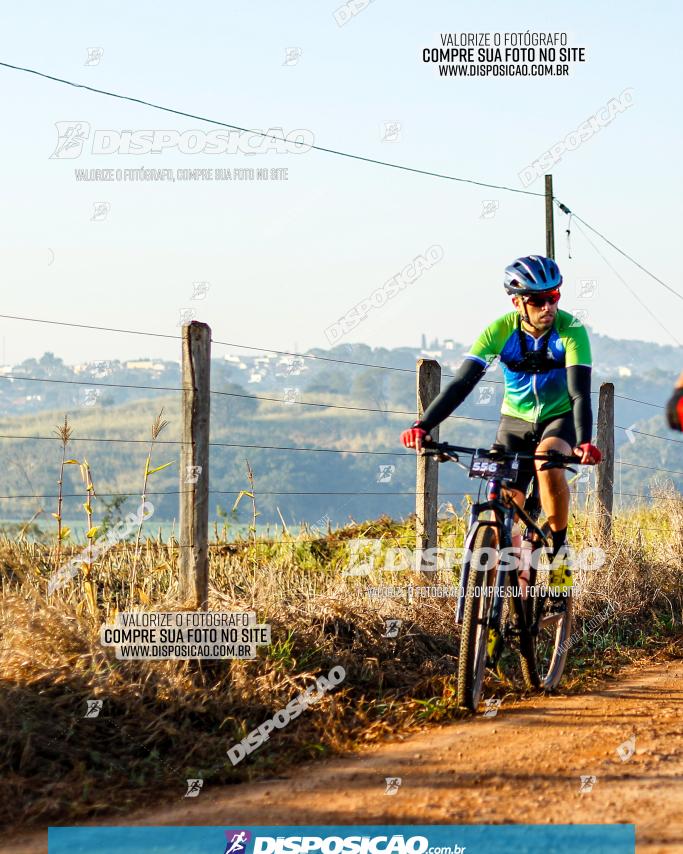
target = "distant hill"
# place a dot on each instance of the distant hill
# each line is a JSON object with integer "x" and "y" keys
{"x": 642, "y": 373}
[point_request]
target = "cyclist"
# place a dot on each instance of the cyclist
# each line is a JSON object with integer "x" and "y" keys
{"x": 674, "y": 407}
{"x": 546, "y": 359}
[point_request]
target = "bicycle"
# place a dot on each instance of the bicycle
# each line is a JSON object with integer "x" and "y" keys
{"x": 490, "y": 598}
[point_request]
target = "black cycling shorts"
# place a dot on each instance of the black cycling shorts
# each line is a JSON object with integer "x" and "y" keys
{"x": 517, "y": 435}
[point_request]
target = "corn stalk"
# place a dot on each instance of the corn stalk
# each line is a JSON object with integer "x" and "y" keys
{"x": 88, "y": 584}
{"x": 64, "y": 433}
{"x": 157, "y": 426}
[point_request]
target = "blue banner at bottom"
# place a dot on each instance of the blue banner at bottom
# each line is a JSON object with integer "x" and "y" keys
{"x": 378, "y": 839}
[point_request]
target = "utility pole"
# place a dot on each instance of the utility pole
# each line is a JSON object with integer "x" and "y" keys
{"x": 549, "y": 218}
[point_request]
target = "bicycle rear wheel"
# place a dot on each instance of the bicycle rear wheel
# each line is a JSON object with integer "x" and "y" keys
{"x": 480, "y": 570}
{"x": 544, "y": 655}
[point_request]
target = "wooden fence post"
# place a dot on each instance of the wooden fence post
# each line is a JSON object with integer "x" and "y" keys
{"x": 427, "y": 484}
{"x": 194, "y": 465}
{"x": 604, "y": 478}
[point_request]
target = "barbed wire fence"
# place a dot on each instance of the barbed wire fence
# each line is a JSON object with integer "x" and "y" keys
{"x": 195, "y": 446}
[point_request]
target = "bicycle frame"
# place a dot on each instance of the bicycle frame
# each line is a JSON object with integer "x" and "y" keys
{"x": 503, "y": 520}
{"x": 539, "y": 634}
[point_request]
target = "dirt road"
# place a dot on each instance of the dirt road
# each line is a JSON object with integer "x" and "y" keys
{"x": 523, "y": 765}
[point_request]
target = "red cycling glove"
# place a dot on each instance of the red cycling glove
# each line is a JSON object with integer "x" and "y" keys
{"x": 674, "y": 410}
{"x": 410, "y": 438}
{"x": 589, "y": 454}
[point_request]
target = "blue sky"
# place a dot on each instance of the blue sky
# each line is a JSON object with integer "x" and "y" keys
{"x": 286, "y": 259}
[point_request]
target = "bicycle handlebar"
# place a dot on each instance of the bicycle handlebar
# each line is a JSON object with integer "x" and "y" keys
{"x": 448, "y": 450}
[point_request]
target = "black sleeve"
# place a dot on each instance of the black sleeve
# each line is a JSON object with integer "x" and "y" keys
{"x": 465, "y": 379}
{"x": 579, "y": 388}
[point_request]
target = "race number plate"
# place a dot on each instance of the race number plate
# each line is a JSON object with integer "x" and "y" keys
{"x": 484, "y": 467}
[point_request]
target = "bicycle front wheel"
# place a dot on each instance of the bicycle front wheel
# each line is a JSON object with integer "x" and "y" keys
{"x": 480, "y": 569}
{"x": 544, "y": 654}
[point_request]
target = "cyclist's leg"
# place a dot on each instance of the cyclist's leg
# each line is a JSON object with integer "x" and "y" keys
{"x": 557, "y": 435}
{"x": 517, "y": 436}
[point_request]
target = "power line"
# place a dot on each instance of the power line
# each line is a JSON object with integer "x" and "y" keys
{"x": 314, "y": 450}
{"x": 650, "y": 435}
{"x": 213, "y": 341}
{"x": 340, "y": 406}
{"x": 135, "y": 495}
{"x": 630, "y": 257}
{"x": 374, "y": 161}
{"x": 88, "y": 382}
{"x": 635, "y": 400}
{"x": 19, "y": 378}
{"x": 234, "y": 394}
{"x": 629, "y": 288}
{"x": 267, "y": 135}
{"x": 95, "y": 439}
{"x": 652, "y": 468}
{"x": 313, "y": 356}
{"x": 88, "y": 326}
{"x": 214, "y": 445}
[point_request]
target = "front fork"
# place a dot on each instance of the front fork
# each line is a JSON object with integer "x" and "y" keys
{"x": 505, "y": 575}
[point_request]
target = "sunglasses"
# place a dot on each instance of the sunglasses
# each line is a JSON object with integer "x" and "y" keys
{"x": 539, "y": 301}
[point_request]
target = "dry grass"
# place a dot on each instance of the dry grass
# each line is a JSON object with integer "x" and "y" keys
{"x": 163, "y": 722}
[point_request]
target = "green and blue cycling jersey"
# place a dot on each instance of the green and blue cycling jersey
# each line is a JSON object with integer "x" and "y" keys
{"x": 545, "y": 377}
{"x": 534, "y": 396}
